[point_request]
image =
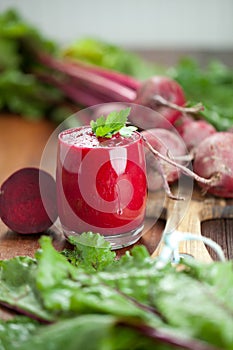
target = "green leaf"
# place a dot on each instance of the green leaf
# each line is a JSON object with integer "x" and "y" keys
{"x": 13, "y": 26}
{"x": 105, "y": 131}
{"x": 53, "y": 267}
{"x": 127, "y": 131}
{"x": 20, "y": 90}
{"x": 91, "y": 252}
{"x": 215, "y": 275}
{"x": 191, "y": 304}
{"x": 104, "y": 54}
{"x": 18, "y": 286}
{"x": 72, "y": 334}
{"x": 113, "y": 123}
{"x": 195, "y": 308}
{"x": 9, "y": 55}
{"x": 98, "y": 123}
{"x": 16, "y": 331}
{"x": 138, "y": 257}
{"x": 89, "y": 332}
{"x": 211, "y": 85}
{"x": 116, "y": 119}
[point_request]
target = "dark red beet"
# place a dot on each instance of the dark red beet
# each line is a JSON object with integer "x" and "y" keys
{"x": 214, "y": 156}
{"x": 22, "y": 207}
{"x": 168, "y": 89}
{"x": 169, "y": 144}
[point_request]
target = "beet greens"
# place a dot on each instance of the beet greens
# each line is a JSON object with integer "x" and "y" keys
{"x": 129, "y": 298}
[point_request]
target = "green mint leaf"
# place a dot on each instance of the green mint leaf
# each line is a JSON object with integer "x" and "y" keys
{"x": 127, "y": 131}
{"x": 100, "y": 122}
{"x": 118, "y": 118}
{"x": 113, "y": 123}
{"x": 104, "y": 131}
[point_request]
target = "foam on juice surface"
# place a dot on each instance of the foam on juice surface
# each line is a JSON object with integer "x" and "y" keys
{"x": 84, "y": 137}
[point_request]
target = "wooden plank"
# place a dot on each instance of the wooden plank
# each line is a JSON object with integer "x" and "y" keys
{"x": 221, "y": 231}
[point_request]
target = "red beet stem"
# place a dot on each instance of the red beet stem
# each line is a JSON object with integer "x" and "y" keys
{"x": 112, "y": 89}
{"x": 163, "y": 102}
{"x": 120, "y": 78}
{"x": 75, "y": 92}
{"x": 96, "y": 85}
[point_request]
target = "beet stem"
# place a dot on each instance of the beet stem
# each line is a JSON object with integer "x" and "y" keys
{"x": 112, "y": 89}
{"x": 166, "y": 184}
{"x": 184, "y": 169}
{"x": 162, "y": 101}
{"x": 75, "y": 93}
{"x": 120, "y": 78}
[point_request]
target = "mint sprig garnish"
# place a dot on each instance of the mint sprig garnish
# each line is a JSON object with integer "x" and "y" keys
{"x": 114, "y": 122}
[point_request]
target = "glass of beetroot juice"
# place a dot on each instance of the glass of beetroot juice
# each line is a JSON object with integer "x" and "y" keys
{"x": 101, "y": 185}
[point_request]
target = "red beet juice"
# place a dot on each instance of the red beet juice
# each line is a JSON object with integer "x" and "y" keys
{"x": 101, "y": 185}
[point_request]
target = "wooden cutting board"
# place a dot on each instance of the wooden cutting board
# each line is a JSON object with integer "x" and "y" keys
{"x": 200, "y": 210}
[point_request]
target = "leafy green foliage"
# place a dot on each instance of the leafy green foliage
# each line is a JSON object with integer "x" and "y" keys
{"x": 112, "y": 124}
{"x": 212, "y": 86}
{"x": 21, "y": 91}
{"x": 89, "y": 306}
{"x": 22, "y": 94}
{"x": 89, "y": 332}
{"x": 13, "y": 26}
{"x": 107, "y": 55}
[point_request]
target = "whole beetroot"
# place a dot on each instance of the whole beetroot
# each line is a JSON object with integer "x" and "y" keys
{"x": 28, "y": 201}
{"x": 149, "y": 94}
{"x": 214, "y": 156}
{"x": 193, "y": 132}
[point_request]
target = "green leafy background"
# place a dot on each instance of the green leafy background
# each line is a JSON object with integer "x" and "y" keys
{"x": 21, "y": 92}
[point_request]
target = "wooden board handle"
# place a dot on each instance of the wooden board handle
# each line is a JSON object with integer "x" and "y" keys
{"x": 191, "y": 222}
